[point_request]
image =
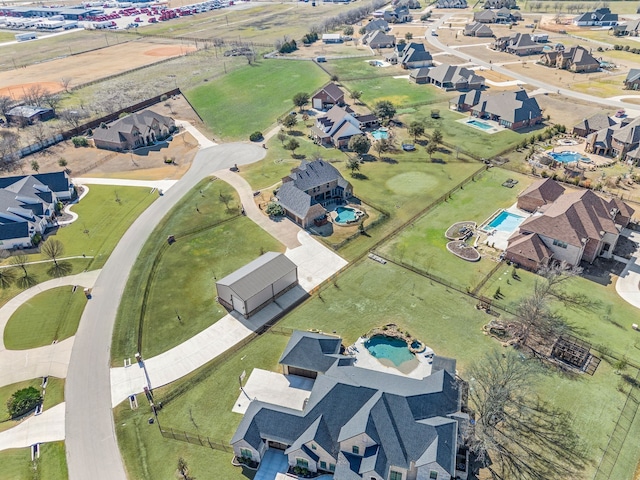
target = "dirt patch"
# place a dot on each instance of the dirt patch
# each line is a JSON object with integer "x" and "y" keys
{"x": 170, "y": 51}
{"x": 20, "y": 90}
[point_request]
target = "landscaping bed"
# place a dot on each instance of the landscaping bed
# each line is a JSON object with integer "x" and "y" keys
{"x": 460, "y": 230}
{"x": 460, "y": 249}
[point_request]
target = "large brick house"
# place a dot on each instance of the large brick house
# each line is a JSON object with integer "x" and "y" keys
{"x": 517, "y": 44}
{"x": 327, "y": 97}
{"x": 619, "y": 140}
{"x": 576, "y": 59}
{"x": 513, "y": 110}
{"x": 134, "y": 131}
{"x": 566, "y": 226}
{"x": 593, "y": 124}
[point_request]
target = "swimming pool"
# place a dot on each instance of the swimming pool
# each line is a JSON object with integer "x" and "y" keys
{"x": 479, "y": 124}
{"x": 568, "y": 157}
{"x": 505, "y": 222}
{"x": 392, "y": 349}
{"x": 380, "y": 134}
{"x": 345, "y": 215}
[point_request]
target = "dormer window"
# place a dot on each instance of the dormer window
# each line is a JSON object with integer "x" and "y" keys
{"x": 355, "y": 450}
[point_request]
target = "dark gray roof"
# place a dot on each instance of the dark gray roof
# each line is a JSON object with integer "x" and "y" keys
{"x": 444, "y": 363}
{"x": 510, "y": 106}
{"x": 633, "y": 75}
{"x": 596, "y": 122}
{"x": 313, "y": 174}
{"x": 629, "y": 134}
{"x": 294, "y": 199}
{"x": 256, "y": 275}
{"x": 28, "y": 111}
{"x": 415, "y": 52}
{"x": 444, "y": 73}
{"x": 333, "y": 91}
{"x": 311, "y": 351}
{"x": 407, "y": 418}
{"x": 140, "y": 120}
{"x": 12, "y": 230}
{"x": 377, "y": 24}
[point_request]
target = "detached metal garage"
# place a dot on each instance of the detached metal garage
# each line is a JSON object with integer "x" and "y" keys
{"x": 258, "y": 283}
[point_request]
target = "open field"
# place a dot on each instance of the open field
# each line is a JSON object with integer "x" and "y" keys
{"x": 423, "y": 244}
{"x": 184, "y": 218}
{"x": 52, "y": 465}
{"x": 7, "y": 36}
{"x": 54, "y": 395}
{"x": 86, "y": 67}
{"x": 173, "y": 315}
{"x": 51, "y": 315}
{"x": 354, "y": 68}
{"x": 253, "y": 97}
{"x": 400, "y": 91}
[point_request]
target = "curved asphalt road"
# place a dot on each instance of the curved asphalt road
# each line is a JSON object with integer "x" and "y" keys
{"x": 92, "y": 448}
{"x": 435, "y": 41}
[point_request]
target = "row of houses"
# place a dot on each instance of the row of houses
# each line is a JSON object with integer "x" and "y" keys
{"x": 501, "y": 15}
{"x": 566, "y": 226}
{"x": 28, "y": 206}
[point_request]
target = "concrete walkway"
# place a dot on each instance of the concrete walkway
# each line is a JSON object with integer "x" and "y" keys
{"x": 628, "y": 284}
{"x": 197, "y": 134}
{"x": 46, "y": 427}
{"x": 67, "y": 208}
{"x": 163, "y": 185}
{"x": 284, "y": 230}
{"x": 19, "y": 365}
{"x": 315, "y": 263}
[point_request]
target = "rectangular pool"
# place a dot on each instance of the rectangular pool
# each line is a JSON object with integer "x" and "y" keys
{"x": 479, "y": 124}
{"x": 505, "y": 222}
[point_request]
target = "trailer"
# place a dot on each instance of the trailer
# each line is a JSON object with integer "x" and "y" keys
{"x": 23, "y": 37}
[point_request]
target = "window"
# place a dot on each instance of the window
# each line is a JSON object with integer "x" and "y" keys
{"x": 393, "y": 475}
{"x": 302, "y": 462}
{"x": 560, "y": 244}
{"x": 433, "y": 475}
{"x": 323, "y": 465}
{"x": 332, "y": 467}
{"x": 313, "y": 446}
{"x": 245, "y": 452}
{"x": 356, "y": 450}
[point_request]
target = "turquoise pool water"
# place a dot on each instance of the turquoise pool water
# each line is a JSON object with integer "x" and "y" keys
{"x": 505, "y": 222}
{"x": 479, "y": 124}
{"x": 345, "y": 215}
{"x": 566, "y": 157}
{"x": 393, "y": 349}
{"x": 380, "y": 134}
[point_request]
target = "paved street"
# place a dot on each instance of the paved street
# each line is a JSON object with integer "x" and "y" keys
{"x": 92, "y": 449}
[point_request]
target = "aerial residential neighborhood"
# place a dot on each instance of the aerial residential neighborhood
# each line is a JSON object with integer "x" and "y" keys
{"x": 327, "y": 239}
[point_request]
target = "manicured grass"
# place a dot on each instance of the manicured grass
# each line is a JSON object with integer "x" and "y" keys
{"x": 352, "y": 68}
{"x": 253, "y": 97}
{"x": 104, "y": 215}
{"x": 423, "y": 243}
{"x": 52, "y": 464}
{"x": 182, "y": 219}
{"x": 38, "y": 273}
{"x": 51, "y": 315}
{"x": 54, "y": 395}
{"x": 399, "y": 91}
{"x": 181, "y": 301}
{"x": 468, "y": 139}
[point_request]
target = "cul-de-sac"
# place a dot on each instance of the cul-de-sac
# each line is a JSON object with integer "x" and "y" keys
{"x": 320, "y": 239}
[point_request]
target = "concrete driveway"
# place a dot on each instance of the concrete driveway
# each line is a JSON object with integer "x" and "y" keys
{"x": 628, "y": 284}
{"x": 46, "y": 427}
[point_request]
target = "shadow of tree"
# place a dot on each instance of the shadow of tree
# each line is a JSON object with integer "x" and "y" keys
{"x": 62, "y": 269}
{"x": 27, "y": 281}
{"x": 359, "y": 176}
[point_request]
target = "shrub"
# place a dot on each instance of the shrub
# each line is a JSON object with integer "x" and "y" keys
{"x": 163, "y": 98}
{"x": 274, "y": 209}
{"x": 80, "y": 142}
{"x": 123, "y": 114}
{"x": 23, "y": 401}
{"x": 256, "y": 136}
{"x": 62, "y": 162}
{"x": 37, "y": 238}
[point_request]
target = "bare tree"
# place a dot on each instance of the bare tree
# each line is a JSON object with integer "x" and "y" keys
{"x": 65, "y": 82}
{"x": 53, "y": 249}
{"x": 52, "y": 101}
{"x": 182, "y": 472}
{"x": 517, "y": 435}
{"x": 6, "y": 103}
{"x": 34, "y": 95}
{"x": 38, "y": 131}
{"x": 8, "y": 144}
{"x": 73, "y": 118}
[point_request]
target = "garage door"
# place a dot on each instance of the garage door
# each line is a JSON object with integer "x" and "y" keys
{"x": 301, "y": 372}
{"x": 277, "y": 445}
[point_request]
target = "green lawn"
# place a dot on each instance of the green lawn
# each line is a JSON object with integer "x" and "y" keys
{"x": 253, "y": 97}
{"x": 104, "y": 215}
{"x": 353, "y": 68}
{"x": 468, "y": 139}
{"x": 423, "y": 243}
{"x": 54, "y": 395}
{"x": 181, "y": 300}
{"x": 52, "y": 464}
{"x": 51, "y": 315}
{"x": 206, "y": 248}
{"x": 399, "y": 91}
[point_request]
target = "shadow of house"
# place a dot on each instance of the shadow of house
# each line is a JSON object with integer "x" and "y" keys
{"x": 134, "y": 131}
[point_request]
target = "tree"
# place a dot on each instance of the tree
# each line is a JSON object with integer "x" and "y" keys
{"x": 359, "y": 144}
{"x": 382, "y": 146}
{"x": 183, "y": 470}
{"x": 292, "y": 145}
{"x": 348, "y": 30}
{"x": 431, "y": 148}
{"x": 335, "y": 78}
{"x": 52, "y": 101}
{"x": 353, "y": 164}
{"x": 355, "y": 96}
{"x": 384, "y": 109}
{"x": 518, "y": 435}
{"x": 53, "y": 249}
{"x": 416, "y": 129}
{"x": 436, "y": 137}
{"x": 35, "y": 166}
{"x": 64, "y": 83}
{"x": 5, "y": 104}
{"x": 274, "y": 209}
{"x": 408, "y": 36}
{"x": 281, "y": 136}
{"x": 23, "y": 401}
{"x": 289, "y": 122}
{"x": 7, "y": 276}
{"x": 362, "y": 30}
{"x": 300, "y": 99}
{"x": 62, "y": 162}
{"x": 226, "y": 199}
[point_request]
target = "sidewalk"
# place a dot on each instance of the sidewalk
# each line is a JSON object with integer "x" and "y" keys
{"x": 163, "y": 185}
{"x": 47, "y": 427}
{"x": 315, "y": 263}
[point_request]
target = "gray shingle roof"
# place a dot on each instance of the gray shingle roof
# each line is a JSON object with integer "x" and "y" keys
{"x": 13, "y": 230}
{"x": 633, "y": 75}
{"x": 140, "y": 120}
{"x": 311, "y": 351}
{"x": 510, "y": 106}
{"x": 256, "y": 275}
{"x": 27, "y": 111}
{"x": 294, "y": 200}
{"x": 313, "y": 174}
{"x": 596, "y": 122}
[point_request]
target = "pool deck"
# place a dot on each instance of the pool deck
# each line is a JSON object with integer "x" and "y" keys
{"x": 288, "y": 391}
{"x": 496, "y": 238}
{"x": 495, "y": 126}
{"x": 365, "y": 360}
